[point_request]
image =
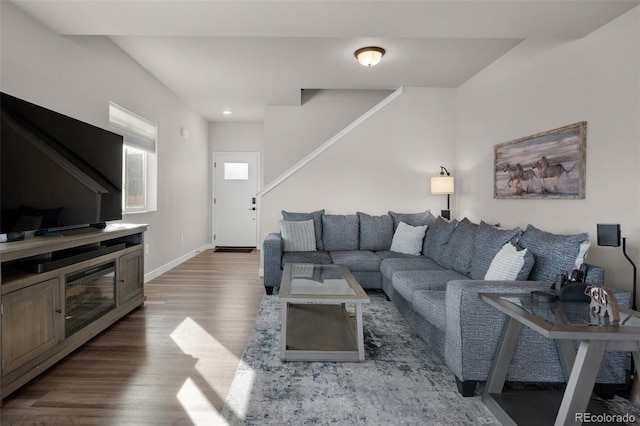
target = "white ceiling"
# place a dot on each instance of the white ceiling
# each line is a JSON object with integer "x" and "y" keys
{"x": 245, "y": 55}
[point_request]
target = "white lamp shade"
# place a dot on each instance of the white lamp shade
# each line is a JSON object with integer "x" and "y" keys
{"x": 442, "y": 185}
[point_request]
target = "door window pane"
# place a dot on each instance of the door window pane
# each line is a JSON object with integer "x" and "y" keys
{"x": 236, "y": 171}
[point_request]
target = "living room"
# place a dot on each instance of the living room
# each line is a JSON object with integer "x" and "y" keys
{"x": 539, "y": 85}
{"x": 542, "y": 83}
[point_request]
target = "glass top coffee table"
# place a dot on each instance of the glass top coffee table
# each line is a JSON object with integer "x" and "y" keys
{"x": 316, "y": 325}
{"x": 564, "y": 322}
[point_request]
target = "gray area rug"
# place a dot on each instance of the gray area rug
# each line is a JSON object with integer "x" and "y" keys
{"x": 401, "y": 382}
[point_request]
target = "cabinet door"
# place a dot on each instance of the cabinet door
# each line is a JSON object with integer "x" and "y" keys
{"x": 129, "y": 276}
{"x": 31, "y": 323}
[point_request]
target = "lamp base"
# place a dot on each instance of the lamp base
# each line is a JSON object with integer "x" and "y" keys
{"x": 446, "y": 214}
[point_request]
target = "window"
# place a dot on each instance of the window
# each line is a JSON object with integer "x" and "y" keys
{"x": 139, "y": 159}
{"x": 236, "y": 171}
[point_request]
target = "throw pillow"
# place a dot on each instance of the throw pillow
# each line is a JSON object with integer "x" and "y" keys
{"x": 298, "y": 235}
{"x": 376, "y": 232}
{"x": 554, "y": 253}
{"x": 340, "y": 232}
{"x": 317, "y": 222}
{"x": 487, "y": 243}
{"x": 437, "y": 238}
{"x": 413, "y": 219}
{"x": 459, "y": 251}
{"x": 408, "y": 239}
{"x": 510, "y": 264}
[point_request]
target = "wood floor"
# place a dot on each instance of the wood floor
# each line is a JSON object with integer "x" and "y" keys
{"x": 170, "y": 362}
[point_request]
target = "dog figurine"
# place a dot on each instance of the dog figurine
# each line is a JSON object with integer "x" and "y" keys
{"x": 603, "y": 302}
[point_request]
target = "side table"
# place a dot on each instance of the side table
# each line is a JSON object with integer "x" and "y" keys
{"x": 558, "y": 321}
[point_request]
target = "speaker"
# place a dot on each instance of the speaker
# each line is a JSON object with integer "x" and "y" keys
{"x": 609, "y": 235}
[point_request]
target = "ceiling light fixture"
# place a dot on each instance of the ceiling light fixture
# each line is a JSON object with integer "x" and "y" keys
{"x": 226, "y": 112}
{"x": 369, "y": 56}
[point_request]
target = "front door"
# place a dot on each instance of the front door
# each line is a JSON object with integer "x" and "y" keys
{"x": 235, "y": 209}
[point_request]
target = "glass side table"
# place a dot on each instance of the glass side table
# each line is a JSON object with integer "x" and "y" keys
{"x": 563, "y": 322}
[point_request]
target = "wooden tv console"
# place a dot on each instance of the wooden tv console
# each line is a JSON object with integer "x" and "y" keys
{"x": 35, "y": 323}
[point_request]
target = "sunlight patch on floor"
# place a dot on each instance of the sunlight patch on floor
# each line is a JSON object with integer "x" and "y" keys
{"x": 195, "y": 341}
{"x": 196, "y": 404}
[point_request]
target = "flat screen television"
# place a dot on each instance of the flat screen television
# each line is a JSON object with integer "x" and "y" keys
{"x": 56, "y": 172}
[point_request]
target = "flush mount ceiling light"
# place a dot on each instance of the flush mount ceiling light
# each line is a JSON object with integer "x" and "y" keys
{"x": 226, "y": 112}
{"x": 369, "y": 56}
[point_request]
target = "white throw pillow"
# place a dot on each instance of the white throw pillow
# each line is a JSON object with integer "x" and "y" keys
{"x": 298, "y": 235}
{"x": 507, "y": 263}
{"x": 582, "y": 254}
{"x": 408, "y": 239}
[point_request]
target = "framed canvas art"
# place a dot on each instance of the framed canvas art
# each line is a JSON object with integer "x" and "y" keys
{"x": 545, "y": 165}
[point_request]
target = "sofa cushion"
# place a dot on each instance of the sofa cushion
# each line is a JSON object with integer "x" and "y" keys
{"x": 317, "y": 223}
{"x": 413, "y": 219}
{"x": 298, "y": 235}
{"x": 407, "y": 282}
{"x": 510, "y": 264}
{"x": 437, "y": 237}
{"x": 554, "y": 253}
{"x": 340, "y": 232}
{"x": 391, "y": 265}
{"x": 459, "y": 251}
{"x": 387, "y": 254}
{"x": 357, "y": 260}
{"x": 376, "y": 232}
{"x": 431, "y": 305}
{"x": 321, "y": 257}
{"x": 487, "y": 243}
{"x": 408, "y": 239}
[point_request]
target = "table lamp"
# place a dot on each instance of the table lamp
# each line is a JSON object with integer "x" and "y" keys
{"x": 443, "y": 184}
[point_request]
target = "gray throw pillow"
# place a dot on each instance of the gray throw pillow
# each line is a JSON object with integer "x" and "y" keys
{"x": 376, "y": 232}
{"x": 554, "y": 253}
{"x": 437, "y": 238}
{"x": 413, "y": 219}
{"x": 317, "y": 223}
{"x": 459, "y": 251}
{"x": 408, "y": 239}
{"x": 298, "y": 235}
{"x": 340, "y": 232}
{"x": 488, "y": 241}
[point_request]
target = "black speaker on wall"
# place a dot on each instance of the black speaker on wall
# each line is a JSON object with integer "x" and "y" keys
{"x": 609, "y": 235}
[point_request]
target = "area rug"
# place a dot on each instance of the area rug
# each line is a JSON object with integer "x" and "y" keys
{"x": 401, "y": 382}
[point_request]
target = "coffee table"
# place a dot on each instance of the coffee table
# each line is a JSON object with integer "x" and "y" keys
{"x": 564, "y": 322}
{"x": 316, "y": 325}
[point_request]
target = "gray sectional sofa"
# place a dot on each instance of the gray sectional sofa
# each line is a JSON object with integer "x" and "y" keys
{"x": 437, "y": 291}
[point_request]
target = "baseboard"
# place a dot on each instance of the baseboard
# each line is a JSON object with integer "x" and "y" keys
{"x": 169, "y": 266}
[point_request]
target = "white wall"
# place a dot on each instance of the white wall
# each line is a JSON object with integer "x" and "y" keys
{"x": 236, "y": 137}
{"x": 544, "y": 84}
{"x": 78, "y": 76}
{"x": 292, "y": 132}
{"x": 384, "y": 164}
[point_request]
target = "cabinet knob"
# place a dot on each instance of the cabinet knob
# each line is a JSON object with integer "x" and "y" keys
{"x": 59, "y": 311}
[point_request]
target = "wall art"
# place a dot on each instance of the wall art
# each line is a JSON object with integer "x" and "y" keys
{"x": 551, "y": 164}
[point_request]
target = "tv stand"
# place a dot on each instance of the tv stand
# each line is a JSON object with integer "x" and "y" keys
{"x": 36, "y": 275}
